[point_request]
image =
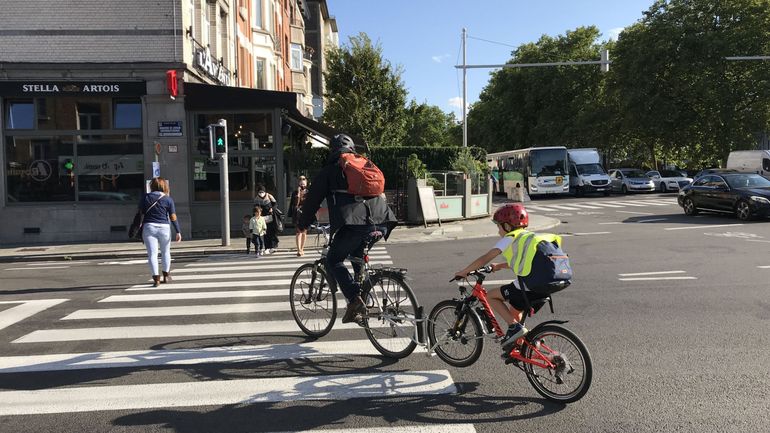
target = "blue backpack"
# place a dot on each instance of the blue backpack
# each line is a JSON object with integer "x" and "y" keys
{"x": 551, "y": 270}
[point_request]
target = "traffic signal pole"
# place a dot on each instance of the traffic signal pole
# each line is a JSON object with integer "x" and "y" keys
{"x": 218, "y": 148}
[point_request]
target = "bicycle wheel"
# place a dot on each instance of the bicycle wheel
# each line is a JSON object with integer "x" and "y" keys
{"x": 390, "y": 321}
{"x": 461, "y": 347}
{"x": 313, "y": 300}
{"x": 571, "y": 378}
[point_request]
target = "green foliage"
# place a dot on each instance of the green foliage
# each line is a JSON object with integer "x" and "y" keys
{"x": 467, "y": 162}
{"x": 428, "y": 125}
{"x": 415, "y": 167}
{"x": 437, "y": 158}
{"x": 365, "y": 94}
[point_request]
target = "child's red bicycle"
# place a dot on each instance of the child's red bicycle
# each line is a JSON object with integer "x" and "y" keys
{"x": 556, "y": 362}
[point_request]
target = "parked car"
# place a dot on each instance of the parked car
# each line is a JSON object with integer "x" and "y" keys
{"x": 627, "y": 180}
{"x": 744, "y": 194}
{"x": 668, "y": 180}
{"x": 706, "y": 171}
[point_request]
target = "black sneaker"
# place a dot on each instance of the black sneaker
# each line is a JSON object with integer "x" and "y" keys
{"x": 515, "y": 331}
{"x": 354, "y": 311}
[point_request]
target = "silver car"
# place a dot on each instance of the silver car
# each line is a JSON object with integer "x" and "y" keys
{"x": 626, "y": 180}
{"x": 668, "y": 180}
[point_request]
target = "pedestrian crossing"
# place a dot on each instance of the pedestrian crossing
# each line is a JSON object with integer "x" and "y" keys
{"x": 239, "y": 298}
{"x": 546, "y": 206}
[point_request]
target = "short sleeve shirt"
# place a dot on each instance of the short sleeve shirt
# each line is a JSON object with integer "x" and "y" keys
{"x": 504, "y": 243}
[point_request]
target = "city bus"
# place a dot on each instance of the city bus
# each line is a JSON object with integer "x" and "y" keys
{"x": 541, "y": 170}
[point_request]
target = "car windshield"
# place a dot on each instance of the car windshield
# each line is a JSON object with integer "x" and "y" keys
{"x": 746, "y": 181}
{"x": 587, "y": 169}
{"x": 548, "y": 162}
{"x": 634, "y": 173}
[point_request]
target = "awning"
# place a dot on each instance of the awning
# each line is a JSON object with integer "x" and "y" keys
{"x": 206, "y": 97}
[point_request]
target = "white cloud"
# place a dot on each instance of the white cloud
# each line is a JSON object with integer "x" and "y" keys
{"x": 614, "y": 33}
{"x": 456, "y": 102}
{"x": 441, "y": 58}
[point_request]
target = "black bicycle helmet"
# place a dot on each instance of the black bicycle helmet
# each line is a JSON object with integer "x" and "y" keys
{"x": 342, "y": 141}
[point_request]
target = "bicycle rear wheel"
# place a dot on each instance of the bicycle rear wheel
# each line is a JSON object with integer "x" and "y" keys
{"x": 390, "y": 321}
{"x": 461, "y": 345}
{"x": 571, "y": 378}
{"x": 313, "y": 300}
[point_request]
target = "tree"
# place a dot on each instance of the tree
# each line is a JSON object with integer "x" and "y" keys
{"x": 365, "y": 94}
{"x": 677, "y": 95}
{"x": 542, "y": 106}
{"x": 428, "y": 125}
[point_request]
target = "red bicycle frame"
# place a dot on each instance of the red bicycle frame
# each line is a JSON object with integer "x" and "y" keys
{"x": 480, "y": 293}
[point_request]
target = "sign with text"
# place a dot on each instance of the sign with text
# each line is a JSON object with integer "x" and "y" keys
{"x": 112, "y": 165}
{"x": 72, "y": 88}
{"x": 170, "y": 129}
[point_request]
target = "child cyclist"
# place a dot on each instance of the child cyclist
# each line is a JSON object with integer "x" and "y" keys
{"x": 512, "y": 220}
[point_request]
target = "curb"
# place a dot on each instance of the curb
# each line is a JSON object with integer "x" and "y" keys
{"x": 449, "y": 233}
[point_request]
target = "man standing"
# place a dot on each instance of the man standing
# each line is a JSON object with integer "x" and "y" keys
{"x": 353, "y": 219}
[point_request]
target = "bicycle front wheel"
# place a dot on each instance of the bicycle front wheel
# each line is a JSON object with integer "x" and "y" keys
{"x": 456, "y": 335}
{"x": 570, "y": 379}
{"x": 390, "y": 321}
{"x": 313, "y": 300}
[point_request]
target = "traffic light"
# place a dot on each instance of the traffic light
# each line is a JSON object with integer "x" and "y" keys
{"x": 204, "y": 142}
{"x": 218, "y": 138}
{"x": 69, "y": 166}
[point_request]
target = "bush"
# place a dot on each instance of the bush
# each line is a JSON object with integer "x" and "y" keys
{"x": 415, "y": 167}
{"x": 436, "y": 158}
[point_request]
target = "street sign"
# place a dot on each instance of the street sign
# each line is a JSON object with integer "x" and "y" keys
{"x": 155, "y": 169}
{"x": 170, "y": 129}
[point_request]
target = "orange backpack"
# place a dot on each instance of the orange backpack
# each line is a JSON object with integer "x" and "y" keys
{"x": 364, "y": 178}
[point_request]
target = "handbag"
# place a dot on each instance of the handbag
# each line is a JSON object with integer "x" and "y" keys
{"x": 135, "y": 230}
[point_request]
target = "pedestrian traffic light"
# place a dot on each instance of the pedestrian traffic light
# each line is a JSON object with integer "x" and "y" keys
{"x": 219, "y": 138}
{"x": 69, "y": 166}
{"x": 204, "y": 142}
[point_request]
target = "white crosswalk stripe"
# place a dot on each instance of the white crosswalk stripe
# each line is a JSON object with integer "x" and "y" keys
{"x": 256, "y": 303}
{"x": 551, "y": 206}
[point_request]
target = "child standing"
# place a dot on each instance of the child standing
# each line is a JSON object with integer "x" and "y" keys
{"x": 247, "y": 232}
{"x": 258, "y": 228}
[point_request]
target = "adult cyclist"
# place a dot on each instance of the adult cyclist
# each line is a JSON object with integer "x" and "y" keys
{"x": 353, "y": 220}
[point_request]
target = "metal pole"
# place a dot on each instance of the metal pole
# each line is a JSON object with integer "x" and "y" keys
{"x": 465, "y": 91}
{"x": 224, "y": 191}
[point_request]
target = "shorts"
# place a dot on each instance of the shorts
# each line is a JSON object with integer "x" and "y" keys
{"x": 513, "y": 294}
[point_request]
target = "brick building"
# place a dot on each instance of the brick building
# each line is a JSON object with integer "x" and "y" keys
{"x": 85, "y": 97}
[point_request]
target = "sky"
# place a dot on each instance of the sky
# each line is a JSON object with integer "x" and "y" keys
{"x": 424, "y": 36}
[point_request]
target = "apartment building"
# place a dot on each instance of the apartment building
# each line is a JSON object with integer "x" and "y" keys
{"x": 99, "y": 97}
{"x": 320, "y": 35}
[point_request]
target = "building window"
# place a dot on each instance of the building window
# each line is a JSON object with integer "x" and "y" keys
{"x": 128, "y": 114}
{"x": 296, "y": 57}
{"x": 68, "y": 165}
{"x": 259, "y": 67}
{"x": 205, "y": 24}
{"x": 20, "y": 115}
{"x": 191, "y": 12}
{"x": 256, "y": 14}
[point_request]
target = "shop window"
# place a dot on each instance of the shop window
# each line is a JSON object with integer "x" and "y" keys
{"x": 110, "y": 168}
{"x": 249, "y": 136}
{"x": 245, "y": 174}
{"x": 128, "y": 114}
{"x": 260, "y": 72}
{"x": 20, "y": 115}
{"x": 40, "y": 169}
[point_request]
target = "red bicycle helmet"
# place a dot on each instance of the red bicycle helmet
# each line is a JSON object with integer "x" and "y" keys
{"x": 514, "y": 214}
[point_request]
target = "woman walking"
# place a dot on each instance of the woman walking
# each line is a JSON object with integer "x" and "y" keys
{"x": 295, "y": 209}
{"x": 267, "y": 202}
{"x": 159, "y": 212}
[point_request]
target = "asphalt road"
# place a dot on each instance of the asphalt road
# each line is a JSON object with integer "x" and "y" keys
{"x": 674, "y": 310}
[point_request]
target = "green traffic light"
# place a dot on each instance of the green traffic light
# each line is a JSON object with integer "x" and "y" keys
{"x": 69, "y": 165}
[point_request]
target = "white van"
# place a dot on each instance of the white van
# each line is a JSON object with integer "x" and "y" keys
{"x": 586, "y": 173}
{"x": 750, "y": 161}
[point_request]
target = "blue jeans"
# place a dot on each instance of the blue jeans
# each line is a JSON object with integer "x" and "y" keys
{"x": 259, "y": 243}
{"x": 157, "y": 236}
{"x": 348, "y": 241}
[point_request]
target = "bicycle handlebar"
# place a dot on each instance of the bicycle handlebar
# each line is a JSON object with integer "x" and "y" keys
{"x": 485, "y": 270}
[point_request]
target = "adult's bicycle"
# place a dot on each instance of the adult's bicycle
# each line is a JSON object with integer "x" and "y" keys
{"x": 390, "y": 302}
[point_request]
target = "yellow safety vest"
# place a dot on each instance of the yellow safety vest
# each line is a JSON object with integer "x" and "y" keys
{"x": 525, "y": 246}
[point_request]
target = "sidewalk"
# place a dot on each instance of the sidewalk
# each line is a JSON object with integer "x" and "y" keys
{"x": 123, "y": 250}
